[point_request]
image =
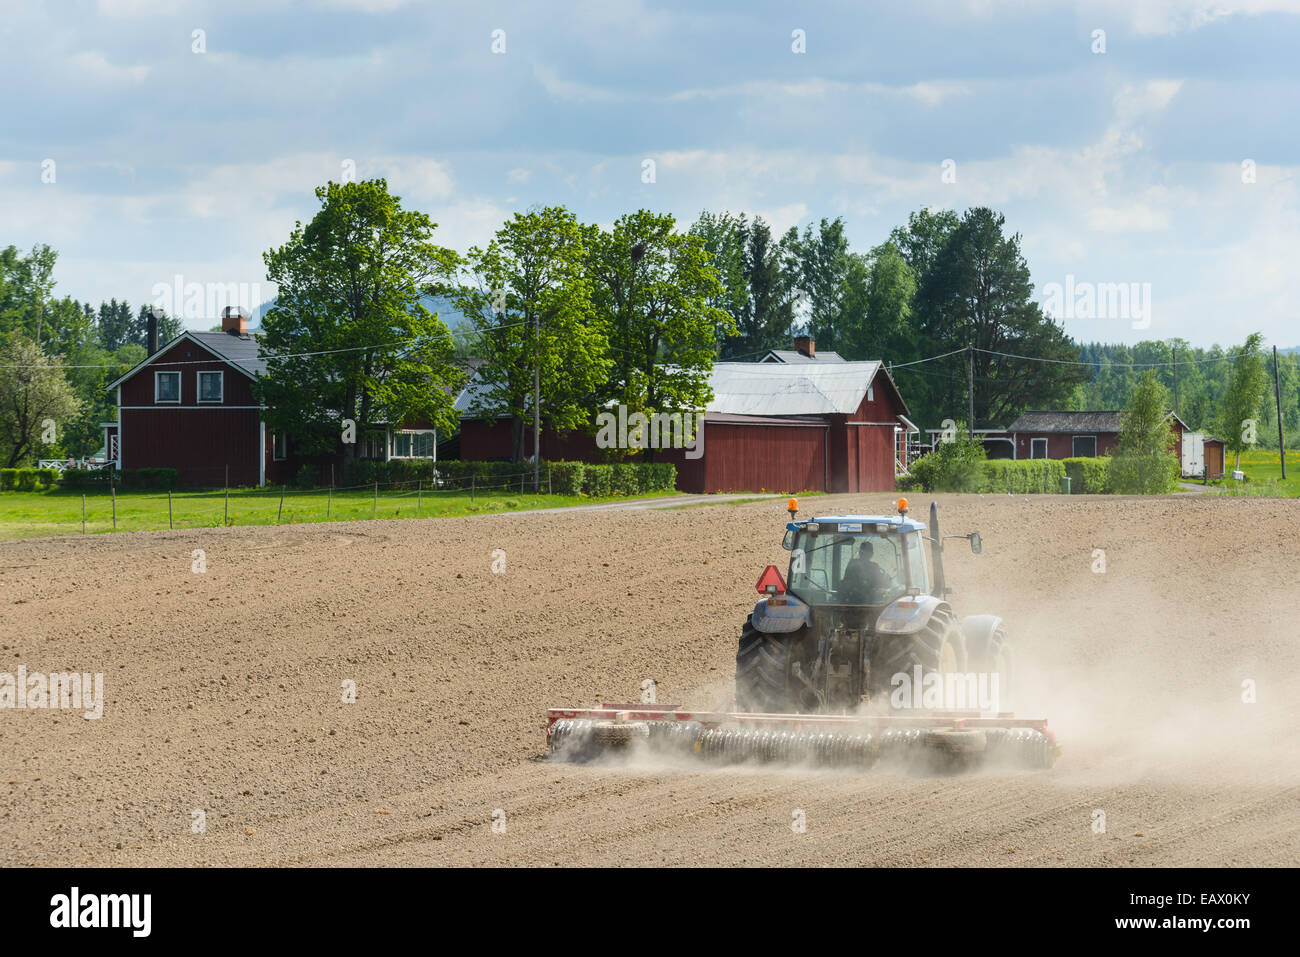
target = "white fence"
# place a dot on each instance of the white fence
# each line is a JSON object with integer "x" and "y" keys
{"x": 62, "y": 465}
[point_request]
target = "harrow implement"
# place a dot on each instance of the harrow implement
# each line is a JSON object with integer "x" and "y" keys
{"x": 939, "y": 741}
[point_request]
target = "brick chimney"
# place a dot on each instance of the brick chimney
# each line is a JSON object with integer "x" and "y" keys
{"x": 153, "y": 332}
{"x": 806, "y": 346}
{"x": 234, "y": 321}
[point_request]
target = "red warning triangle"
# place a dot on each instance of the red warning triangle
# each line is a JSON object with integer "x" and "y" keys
{"x": 771, "y": 582}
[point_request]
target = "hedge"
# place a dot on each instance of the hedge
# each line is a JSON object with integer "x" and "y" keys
{"x": 131, "y": 479}
{"x": 1143, "y": 474}
{"x": 1022, "y": 476}
{"x": 908, "y": 483}
{"x": 27, "y": 480}
{"x": 1088, "y": 476}
{"x": 566, "y": 478}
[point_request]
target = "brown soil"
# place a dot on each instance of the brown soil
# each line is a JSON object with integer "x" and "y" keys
{"x": 223, "y": 692}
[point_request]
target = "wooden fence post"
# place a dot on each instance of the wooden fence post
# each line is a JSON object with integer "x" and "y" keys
{"x": 374, "y": 508}
{"x": 83, "y": 513}
{"x": 169, "y": 509}
{"x": 113, "y": 491}
{"x": 330, "y": 499}
{"x": 471, "y": 488}
{"x": 419, "y": 495}
{"x": 548, "y": 480}
{"x": 280, "y": 510}
{"x": 225, "y": 518}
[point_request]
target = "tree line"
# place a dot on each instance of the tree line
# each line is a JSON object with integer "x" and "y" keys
{"x": 635, "y": 314}
{"x": 89, "y": 345}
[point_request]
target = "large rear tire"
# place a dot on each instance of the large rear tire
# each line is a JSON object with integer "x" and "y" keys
{"x": 993, "y": 656}
{"x": 763, "y": 670}
{"x": 937, "y": 647}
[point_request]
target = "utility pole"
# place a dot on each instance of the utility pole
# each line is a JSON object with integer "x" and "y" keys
{"x": 1175, "y": 380}
{"x": 1277, "y": 397}
{"x": 970, "y": 390}
{"x": 537, "y": 402}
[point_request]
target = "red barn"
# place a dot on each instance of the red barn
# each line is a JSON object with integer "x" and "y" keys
{"x": 771, "y": 426}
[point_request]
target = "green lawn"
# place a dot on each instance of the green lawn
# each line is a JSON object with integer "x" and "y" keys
{"x": 34, "y": 514}
{"x": 1263, "y": 470}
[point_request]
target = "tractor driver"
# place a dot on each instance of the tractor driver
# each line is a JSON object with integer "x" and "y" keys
{"x": 863, "y": 577}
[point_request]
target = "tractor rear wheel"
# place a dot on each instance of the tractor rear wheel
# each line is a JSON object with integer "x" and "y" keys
{"x": 992, "y": 655}
{"x": 763, "y": 670}
{"x": 937, "y": 647}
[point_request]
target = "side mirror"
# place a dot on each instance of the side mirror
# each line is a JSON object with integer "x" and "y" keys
{"x": 788, "y": 541}
{"x": 976, "y": 543}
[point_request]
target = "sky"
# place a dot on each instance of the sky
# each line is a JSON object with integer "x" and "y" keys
{"x": 1146, "y": 151}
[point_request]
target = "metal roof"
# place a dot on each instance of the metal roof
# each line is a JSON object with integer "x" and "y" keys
{"x": 793, "y": 355}
{"x": 802, "y": 388}
{"x": 1060, "y": 421}
{"x": 772, "y": 389}
{"x": 240, "y": 351}
{"x": 1105, "y": 421}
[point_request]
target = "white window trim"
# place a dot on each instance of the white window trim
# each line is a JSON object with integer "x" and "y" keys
{"x": 279, "y": 437}
{"x": 396, "y": 432}
{"x": 1033, "y": 442}
{"x": 1074, "y": 450}
{"x": 198, "y": 393}
{"x": 163, "y": 372}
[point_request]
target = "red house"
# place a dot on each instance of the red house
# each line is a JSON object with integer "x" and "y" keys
{"x": 771, "y": 426}
{"x": 190, "y": 406}
{"x": 1063, "y": 435}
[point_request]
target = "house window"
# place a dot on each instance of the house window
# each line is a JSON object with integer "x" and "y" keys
{"x": 279, "y": 446}
{"x": 167, "y": 387}
{"x": 1085, "y": 446}
{"x": 1038, "y": 448}
{"x": 373, "y": 447}
{"x": 211, "y": 386}
{"x": 871, "y": 392}
{"x": 413, "y": 444}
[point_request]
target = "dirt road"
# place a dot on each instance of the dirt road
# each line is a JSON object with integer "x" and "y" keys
{"x": 223, "y": 692}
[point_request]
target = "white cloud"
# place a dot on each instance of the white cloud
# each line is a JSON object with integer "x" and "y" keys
{"x": 95, "y": 66}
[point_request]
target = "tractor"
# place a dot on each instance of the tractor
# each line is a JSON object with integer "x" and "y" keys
{"x": 825, "y": 664}
{"x": 862, "y": 606}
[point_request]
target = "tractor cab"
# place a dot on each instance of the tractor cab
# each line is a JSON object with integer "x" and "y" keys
{"x": 857, "y": 560}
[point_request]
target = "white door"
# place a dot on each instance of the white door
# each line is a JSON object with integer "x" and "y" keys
{"x": 1193, "y": 453}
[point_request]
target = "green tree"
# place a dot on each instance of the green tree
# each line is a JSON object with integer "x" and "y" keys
{"x": 34, "y": 395}
{"x": 26, "y": 285}
{"x": 768, "y": 312}
{"x": 530, "y": 302}
{"x": 349, "y": 337}
{"x": 169, "y": 327}
{"x": 653, "y": 290}
{"x": 114, "y": 324}
{"x": 818, "y": 264}
{"x": 1143, "y": 463}
{"x": 976, "y": 293}
{"x": 723, "y": 237}
{"x": 1239, "y": 408}
{"x": 880, "y": 316}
